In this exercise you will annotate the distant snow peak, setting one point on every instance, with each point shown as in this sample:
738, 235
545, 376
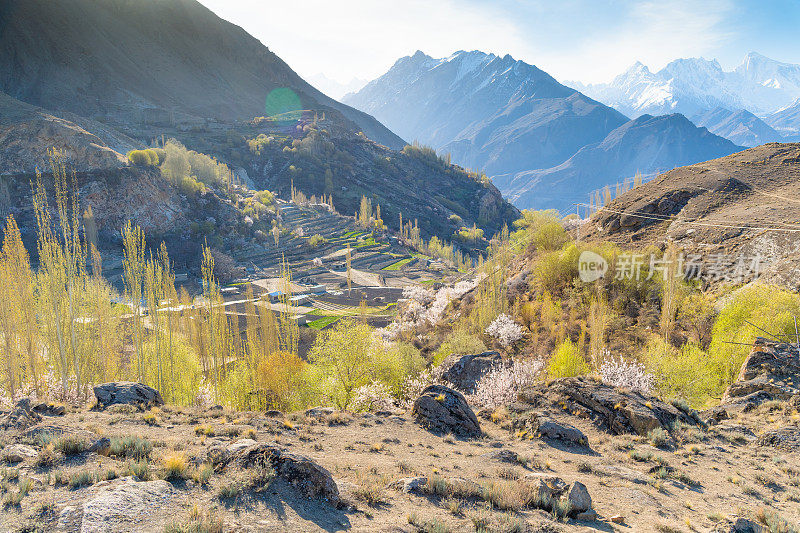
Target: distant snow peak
694, 85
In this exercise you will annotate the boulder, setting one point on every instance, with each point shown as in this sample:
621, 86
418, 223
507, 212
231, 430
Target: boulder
443, 410
127, 506
16, 453
743, 525
547, 486
21, 417
465, 371
578, 498
551, 429
770, 372
309, 478
127, 393
615, 410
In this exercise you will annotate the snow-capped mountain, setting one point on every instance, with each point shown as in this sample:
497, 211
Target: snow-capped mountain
333, 88
519, 125
490, 112
787, 120
692, 86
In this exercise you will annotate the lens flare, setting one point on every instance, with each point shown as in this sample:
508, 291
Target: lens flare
283, 106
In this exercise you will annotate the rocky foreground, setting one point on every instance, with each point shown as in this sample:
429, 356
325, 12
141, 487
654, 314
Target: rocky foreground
570, 454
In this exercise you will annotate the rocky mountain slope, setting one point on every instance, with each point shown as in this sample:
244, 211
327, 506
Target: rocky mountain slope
742, 127
493, 113
646, 145
150, 62
692, 86
27, 133
742, 206
570, 454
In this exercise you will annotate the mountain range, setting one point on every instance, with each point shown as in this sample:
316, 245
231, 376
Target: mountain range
694, 86
535, 137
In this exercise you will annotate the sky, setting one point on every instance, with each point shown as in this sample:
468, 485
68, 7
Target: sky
582, 40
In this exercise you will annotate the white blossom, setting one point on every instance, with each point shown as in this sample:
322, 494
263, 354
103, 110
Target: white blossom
502, 384
505, 330
630, 375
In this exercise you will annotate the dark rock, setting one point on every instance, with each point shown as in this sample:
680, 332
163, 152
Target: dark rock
465, 371
127, 393
551, 429
44, 408
715, 416
770, 372
309, 478
612, 409
743, 525
442, 410
100, 445
319, 412
273, 413
21, 417
787, 438
409, 484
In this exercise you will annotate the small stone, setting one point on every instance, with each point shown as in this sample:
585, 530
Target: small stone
504, 456
409, 484
618, 519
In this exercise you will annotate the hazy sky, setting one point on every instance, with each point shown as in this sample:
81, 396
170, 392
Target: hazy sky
585, 40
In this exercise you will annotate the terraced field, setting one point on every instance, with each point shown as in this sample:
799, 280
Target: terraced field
375, 261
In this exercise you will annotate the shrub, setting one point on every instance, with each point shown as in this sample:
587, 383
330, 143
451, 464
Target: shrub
131, 447
199, 521
658, 437
71, 444
348, 356
501, 385
768, 307
316, 240
505, 330
683, 372
630, 375
567, 362
278, 377
143, 158
81, 479
203, 473
174, 465
458, 342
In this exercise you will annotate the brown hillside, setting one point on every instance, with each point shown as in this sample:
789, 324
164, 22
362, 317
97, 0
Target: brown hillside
743, 204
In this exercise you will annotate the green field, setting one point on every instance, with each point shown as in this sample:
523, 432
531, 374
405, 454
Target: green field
397, 265
321, 323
